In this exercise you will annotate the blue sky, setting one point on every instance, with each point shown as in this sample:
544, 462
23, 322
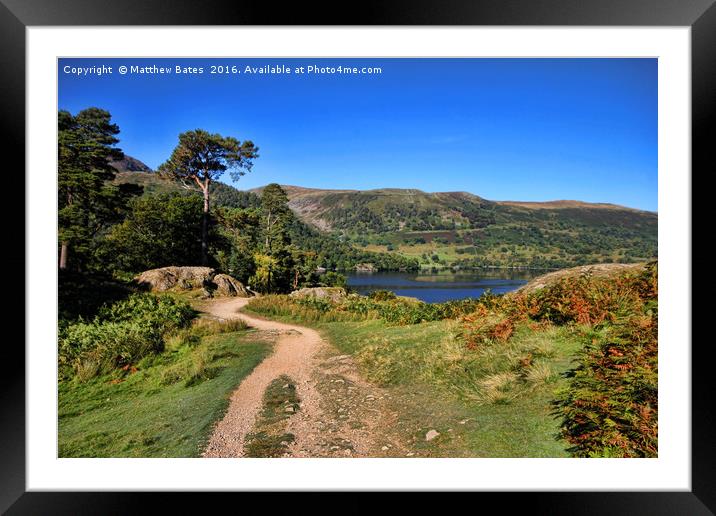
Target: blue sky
504, 129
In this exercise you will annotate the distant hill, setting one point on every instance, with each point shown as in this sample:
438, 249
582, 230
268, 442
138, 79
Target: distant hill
394, 209
461, 228
130, 164
457, 229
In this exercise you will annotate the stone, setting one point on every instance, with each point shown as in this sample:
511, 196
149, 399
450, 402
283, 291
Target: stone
333, 294
229, 286
181, 278
192, 278
365, 267
432, 434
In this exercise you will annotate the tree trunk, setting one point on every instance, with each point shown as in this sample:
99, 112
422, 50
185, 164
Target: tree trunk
205, 226
268, 232
64, 251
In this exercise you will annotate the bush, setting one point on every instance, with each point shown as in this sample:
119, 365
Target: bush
120, 335
610, 407
589, 300
332, 279
380, 305
160, 312
99, 347
382, 295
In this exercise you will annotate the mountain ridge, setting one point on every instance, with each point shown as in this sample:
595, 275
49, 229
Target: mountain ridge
457, 228
295, 190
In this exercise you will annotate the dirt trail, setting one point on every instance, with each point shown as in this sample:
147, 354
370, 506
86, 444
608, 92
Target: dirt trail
339, 415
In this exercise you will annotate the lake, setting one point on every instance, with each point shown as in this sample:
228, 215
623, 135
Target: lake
436, 287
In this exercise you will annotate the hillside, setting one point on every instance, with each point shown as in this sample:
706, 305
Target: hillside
457, 229
130, 164
332, 251
460, 228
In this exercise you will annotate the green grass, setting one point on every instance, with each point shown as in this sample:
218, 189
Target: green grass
264, 445
166, 408
454, 384
269, 438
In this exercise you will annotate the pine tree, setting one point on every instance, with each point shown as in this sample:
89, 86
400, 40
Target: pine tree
87, 201
202, 157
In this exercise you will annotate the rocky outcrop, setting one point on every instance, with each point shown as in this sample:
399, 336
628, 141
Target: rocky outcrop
600, 270
229, 286
191, 278
365, 267
329, 293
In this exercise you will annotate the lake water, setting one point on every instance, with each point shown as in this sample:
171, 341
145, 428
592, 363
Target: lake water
438, 287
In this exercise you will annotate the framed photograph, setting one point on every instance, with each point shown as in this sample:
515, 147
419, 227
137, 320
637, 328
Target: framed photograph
427, 251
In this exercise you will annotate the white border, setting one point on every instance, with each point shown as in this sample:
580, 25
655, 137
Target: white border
670, 471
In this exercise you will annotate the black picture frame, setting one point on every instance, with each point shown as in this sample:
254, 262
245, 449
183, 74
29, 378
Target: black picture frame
700, 15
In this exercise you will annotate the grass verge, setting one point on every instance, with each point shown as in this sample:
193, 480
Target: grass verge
168, 405
494, 402
269, 438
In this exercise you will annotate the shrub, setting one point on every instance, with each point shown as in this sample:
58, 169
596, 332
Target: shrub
121, 334
101, 346
332, 279
589, 300
160, 312
382, 295
610, 406
380, 305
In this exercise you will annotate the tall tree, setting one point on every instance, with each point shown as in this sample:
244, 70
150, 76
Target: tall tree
87, 201
202, 157
276, 217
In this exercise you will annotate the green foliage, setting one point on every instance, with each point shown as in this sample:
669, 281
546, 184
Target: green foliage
87, 200
382, 295
589, 300
201, 157
394, 310
159, 230
331, 279
610, 407
152, 311
229, 197
275, 216
239, 229
489, 234
237, 232
120, 335
273, 273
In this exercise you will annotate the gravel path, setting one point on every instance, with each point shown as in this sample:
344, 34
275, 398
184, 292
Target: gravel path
340, 415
